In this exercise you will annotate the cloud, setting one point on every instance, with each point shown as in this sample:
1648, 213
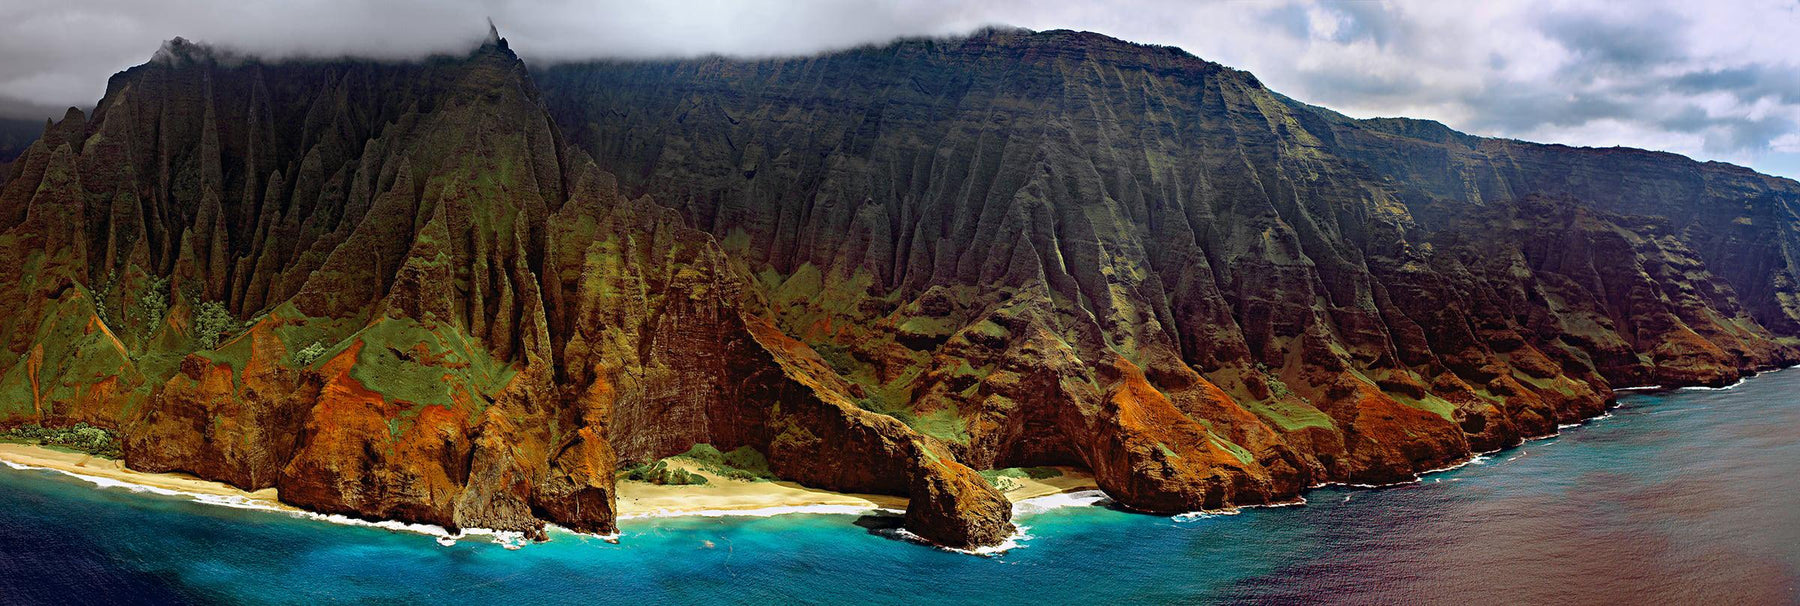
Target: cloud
1605, 41
1715, 81
1749, 81
1291, 19
1372, 21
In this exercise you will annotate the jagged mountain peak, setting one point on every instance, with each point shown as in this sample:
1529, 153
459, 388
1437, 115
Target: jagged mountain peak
180, 51
493, 35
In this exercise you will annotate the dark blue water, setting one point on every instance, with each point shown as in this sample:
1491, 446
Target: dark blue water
1678, 497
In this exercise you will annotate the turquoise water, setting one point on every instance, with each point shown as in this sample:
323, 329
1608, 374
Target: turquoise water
1678, 497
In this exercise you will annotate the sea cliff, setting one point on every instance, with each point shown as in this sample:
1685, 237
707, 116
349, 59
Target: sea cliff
467, 293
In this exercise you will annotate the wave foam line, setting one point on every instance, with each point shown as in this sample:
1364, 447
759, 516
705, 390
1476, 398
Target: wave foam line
1419, 478
1042, 504
1013, 541
505, 538
763, 512
1234, 510
1734, 385
554, 529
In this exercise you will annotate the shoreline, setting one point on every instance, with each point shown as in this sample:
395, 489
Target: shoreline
720, 497
112, 472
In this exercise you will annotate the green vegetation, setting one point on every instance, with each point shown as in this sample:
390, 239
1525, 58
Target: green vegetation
305, 357
1277, 389
895, 399
839, 358
661, 473
235, 354
299, 332
743, 463
989, 329
1008, 479
1166, 451
406, 361
1290, 416
943, 423
74, 360
101, 294
1429, 403
1559, 384
1237, 452
1288, 410
152, 305
213, 322
79, 437
927, 326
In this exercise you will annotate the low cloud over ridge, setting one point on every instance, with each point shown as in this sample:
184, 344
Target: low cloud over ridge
1713, 82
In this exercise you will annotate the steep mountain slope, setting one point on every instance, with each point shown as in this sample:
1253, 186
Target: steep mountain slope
1059, 247
419, 291
449, 320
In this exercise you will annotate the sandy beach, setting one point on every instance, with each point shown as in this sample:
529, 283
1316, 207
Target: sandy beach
636, 499
1071, 480
720, 494
113, 470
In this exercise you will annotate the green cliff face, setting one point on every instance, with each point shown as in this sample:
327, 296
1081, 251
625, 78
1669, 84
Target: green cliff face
461, 293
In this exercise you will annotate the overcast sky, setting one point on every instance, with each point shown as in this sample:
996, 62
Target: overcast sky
1712, 79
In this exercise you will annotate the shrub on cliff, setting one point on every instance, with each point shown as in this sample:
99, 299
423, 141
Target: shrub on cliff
152, 305
1277, 389
101, 294
743, 463
80, 436
662, 474
1007, 479
212, 322
310, 354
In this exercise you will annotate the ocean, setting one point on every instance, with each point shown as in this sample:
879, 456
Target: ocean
1688, 496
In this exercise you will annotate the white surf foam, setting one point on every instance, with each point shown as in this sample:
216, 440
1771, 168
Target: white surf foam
1705, 388
100, 481
1419, 478
1016, 540
1607, 415
763, 512
554, 529
1234, 510
507, 539
1202, 515
1081, 498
